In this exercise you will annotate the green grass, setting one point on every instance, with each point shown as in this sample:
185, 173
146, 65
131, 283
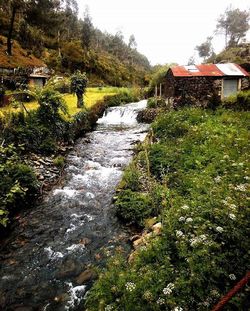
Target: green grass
197, 174
91, 97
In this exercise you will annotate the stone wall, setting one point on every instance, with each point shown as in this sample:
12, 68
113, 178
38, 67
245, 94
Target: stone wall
198, 91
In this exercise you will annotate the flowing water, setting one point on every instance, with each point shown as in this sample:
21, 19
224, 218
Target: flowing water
56, 241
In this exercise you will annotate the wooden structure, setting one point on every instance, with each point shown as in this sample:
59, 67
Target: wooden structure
198, 84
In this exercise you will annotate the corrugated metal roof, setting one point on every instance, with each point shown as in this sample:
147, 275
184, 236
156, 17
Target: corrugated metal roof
209, 70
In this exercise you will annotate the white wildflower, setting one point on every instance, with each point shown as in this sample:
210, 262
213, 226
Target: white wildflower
241, 187
232, 276
148, 295
109, 308
226, 156
219, 229
185, 207
194, 241
217, 179
206, 303
182, 218
246, 177
232, 207
178, 309
130, 286
232, 216
179, 233
160, 301
189, 219
215, 293
168, 290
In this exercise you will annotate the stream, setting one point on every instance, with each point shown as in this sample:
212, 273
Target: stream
56, 241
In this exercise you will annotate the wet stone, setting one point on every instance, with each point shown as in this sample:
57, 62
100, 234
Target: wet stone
85, 276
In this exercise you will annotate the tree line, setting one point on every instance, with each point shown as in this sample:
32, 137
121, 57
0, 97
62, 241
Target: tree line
52, 30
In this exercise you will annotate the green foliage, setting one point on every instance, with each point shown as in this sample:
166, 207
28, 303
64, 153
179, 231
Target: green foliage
18, 184
200, 172
51, 103
240, 101
156, 102
133, 207
59, 161
78, 84
234, 24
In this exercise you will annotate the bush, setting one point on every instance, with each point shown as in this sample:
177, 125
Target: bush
156, 102
133, 207
59, 161
18, 184
240, 101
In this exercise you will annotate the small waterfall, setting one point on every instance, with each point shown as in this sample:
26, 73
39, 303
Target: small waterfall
123, 115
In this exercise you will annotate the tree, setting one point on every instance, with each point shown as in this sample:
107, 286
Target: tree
15, 5
78, 84
87, 30
205, 49
132, 43
234, 24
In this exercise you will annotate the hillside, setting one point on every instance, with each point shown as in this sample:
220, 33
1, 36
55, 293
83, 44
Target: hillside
67, 43
19, 58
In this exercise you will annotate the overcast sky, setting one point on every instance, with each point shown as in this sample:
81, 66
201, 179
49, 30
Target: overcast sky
165, 30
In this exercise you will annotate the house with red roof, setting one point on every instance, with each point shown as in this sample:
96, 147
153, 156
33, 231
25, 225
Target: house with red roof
199, 84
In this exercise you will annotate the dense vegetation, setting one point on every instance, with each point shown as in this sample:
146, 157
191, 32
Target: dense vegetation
66, 43
192, 173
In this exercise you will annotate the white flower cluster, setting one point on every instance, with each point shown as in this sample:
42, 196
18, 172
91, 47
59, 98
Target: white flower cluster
130, 286
198, 240
185, 207
160, 301
178, 309
232, 216
217, 179
109, 308
168, 290
232, 277
241, 187
189, 219
219, 229
179, 233
182, 219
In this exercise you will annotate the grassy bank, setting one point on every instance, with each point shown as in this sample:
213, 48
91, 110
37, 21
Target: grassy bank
91, 97
192, 174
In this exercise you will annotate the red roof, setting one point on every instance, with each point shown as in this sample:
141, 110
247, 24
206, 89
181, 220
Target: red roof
209, 70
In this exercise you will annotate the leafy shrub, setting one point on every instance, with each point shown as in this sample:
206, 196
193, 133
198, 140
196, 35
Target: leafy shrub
59, 161
131, 178
240, 101
133, 207
18, 184
156, 102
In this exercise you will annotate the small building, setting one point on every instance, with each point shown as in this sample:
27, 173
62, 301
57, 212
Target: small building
38, 77
200, 83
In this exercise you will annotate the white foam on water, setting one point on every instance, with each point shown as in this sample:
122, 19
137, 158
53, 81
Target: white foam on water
71, 228
75, 247
123, 114
91, 165
52, 254
76, 294
65, 191
90, 195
